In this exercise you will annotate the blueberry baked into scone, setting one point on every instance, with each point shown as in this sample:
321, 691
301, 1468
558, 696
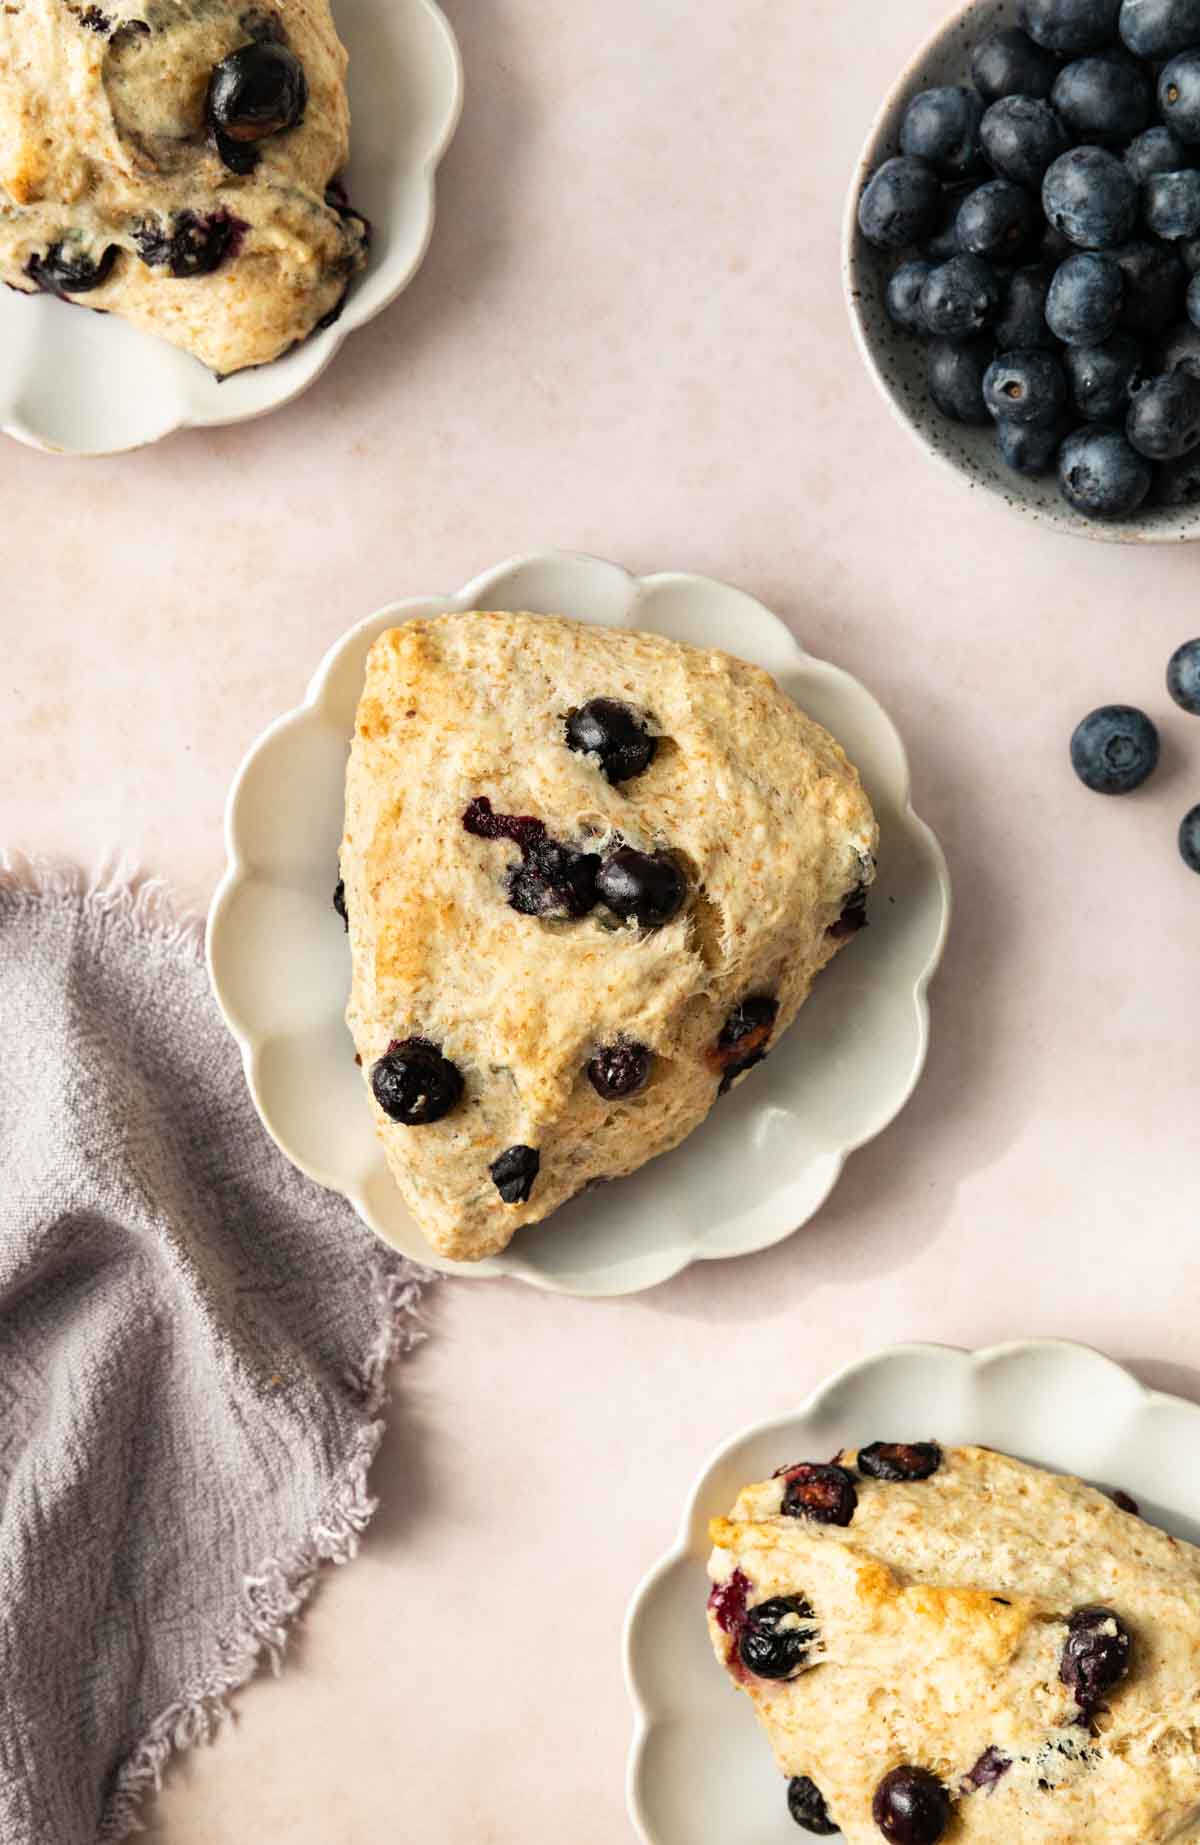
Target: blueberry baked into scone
589, 877
955, 1644
176, 162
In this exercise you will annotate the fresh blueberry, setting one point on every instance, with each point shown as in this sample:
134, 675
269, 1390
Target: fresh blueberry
911, 1807
998, 220
1183, 677
1008, 63
1189, 839
1115, 749
1163, 422
942, 127
1025, 387
1021, 322
1096, 1656
900, 204
942, 244
258, 90
806, 1804
1193, 301
1156, 151
414, 1084
1102, 378
1179, 96
956, 371
339, 902
1028, 448
647, 888
1177, 483
1181, 350
1091, 197
620, 1069
1189, 253
514, 1172
1021, 137
959, 298
776, 1637
1171, 202
553, 880
1055, 246
607, 728
822, 1494
68, 269
1158, 29
744, 1037
904, 294
1101, 475
900, 1460
1154, 284
1084, 303
1070, 25
1105, 100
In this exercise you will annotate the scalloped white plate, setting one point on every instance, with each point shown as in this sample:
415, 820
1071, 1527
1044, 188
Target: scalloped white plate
700, 1770
88, 384
768, 1157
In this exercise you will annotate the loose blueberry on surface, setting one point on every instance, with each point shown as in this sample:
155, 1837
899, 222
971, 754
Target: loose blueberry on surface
1105, 100
414, 1084
1189, 839
942, 127
620, 1069
822, 1493
991, 1768
1114, 749
68, 269
644, 887
959, 298
1164, 417
1102, 378
514, 1172
1028, 448
1158, 29
955, 373
1008, 63
903, 296
1021, 136
1025, 387
900, 1460
1155, 151
1091, 197
553, 881
1101, 474
339, 902
744, 1037
1183, 677
900, 203
1021, 322
1084, 302
997, 220
1171, 202
911, 1807
806, 1804
257, 91
1095, 1657
1154, 283
607, 728
1179, 96
776, 1637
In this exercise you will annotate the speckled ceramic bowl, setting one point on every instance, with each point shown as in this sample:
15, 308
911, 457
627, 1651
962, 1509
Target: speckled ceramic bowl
897, 361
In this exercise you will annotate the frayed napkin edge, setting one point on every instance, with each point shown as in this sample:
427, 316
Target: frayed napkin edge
118, 887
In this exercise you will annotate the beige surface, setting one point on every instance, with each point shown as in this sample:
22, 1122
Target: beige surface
628, 338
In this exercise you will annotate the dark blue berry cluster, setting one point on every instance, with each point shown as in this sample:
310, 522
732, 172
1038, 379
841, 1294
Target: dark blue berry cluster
1116, 748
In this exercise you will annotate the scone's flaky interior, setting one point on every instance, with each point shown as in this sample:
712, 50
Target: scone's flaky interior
109, 169
939, 1617
758, 807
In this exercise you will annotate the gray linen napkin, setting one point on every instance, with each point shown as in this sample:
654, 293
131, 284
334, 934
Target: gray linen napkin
194, 1348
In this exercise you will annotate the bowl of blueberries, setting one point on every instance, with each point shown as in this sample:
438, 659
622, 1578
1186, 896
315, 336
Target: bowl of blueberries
1022, 259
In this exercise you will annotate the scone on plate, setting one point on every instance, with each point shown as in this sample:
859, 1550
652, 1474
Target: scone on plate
954, 1644
589, 878
176, 162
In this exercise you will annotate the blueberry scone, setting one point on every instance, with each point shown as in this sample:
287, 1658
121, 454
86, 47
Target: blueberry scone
589, 877
959, 1645
176, 162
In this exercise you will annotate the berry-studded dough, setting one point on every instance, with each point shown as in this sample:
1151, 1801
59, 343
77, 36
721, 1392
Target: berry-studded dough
959, 1645
176, 162
589, 878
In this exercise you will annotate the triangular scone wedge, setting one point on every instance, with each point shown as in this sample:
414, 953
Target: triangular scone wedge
1013, 1635
588, 1041
118, 191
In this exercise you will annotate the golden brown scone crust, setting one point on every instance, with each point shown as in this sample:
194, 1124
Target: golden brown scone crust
102, 133
760, 804
942, 1613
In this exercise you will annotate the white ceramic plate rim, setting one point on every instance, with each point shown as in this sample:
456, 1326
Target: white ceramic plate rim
323, 346
479, 594
1020, 1358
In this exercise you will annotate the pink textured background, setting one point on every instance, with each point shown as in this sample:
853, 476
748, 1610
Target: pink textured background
629, 338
